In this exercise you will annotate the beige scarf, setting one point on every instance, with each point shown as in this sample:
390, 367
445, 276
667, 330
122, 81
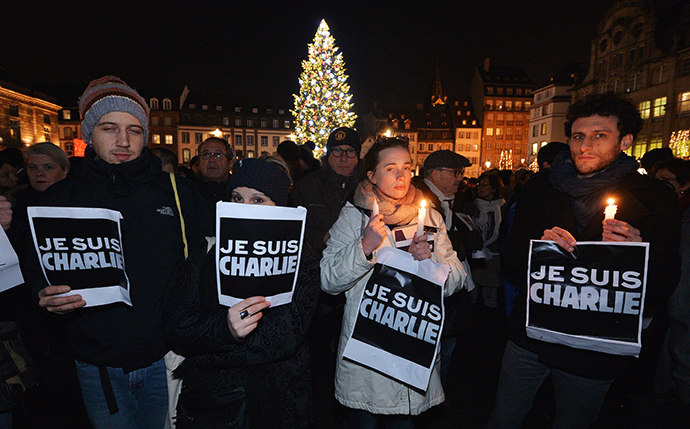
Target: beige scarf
395, 212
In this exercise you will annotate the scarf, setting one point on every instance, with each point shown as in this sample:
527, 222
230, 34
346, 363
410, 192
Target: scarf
395, 212
587, 193
489, 219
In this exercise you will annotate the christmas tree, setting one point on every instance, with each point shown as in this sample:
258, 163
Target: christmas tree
323, 103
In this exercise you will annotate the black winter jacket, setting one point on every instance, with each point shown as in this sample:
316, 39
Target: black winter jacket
118, 335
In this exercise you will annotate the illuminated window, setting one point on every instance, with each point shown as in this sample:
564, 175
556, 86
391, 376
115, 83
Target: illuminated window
489, 131
543, 129
156, 139
655, 142
644, 108
186, 155
66, 115
659, 107
168, 139
684, 103
639, 149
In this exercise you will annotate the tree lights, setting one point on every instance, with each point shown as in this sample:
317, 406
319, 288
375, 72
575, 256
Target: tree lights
323, 103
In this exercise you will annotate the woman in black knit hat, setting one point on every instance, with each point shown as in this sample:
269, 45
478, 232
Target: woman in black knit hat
246, 365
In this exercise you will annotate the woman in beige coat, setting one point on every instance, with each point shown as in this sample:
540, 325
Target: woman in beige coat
347, 264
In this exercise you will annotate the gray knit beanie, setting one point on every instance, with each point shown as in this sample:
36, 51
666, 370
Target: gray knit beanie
110, 94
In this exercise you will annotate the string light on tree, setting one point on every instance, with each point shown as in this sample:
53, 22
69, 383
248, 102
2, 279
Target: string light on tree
680, 143
323, 103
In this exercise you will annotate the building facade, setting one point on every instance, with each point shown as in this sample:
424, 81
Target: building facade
643, 50
69, 125
26, 116
501, 98
468, 135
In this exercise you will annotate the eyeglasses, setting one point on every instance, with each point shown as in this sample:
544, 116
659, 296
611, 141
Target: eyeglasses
338, 152
455, 172
209, 155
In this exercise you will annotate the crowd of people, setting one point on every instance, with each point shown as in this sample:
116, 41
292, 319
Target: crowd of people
176, 357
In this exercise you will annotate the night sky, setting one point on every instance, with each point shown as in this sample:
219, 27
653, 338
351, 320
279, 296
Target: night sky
253, 50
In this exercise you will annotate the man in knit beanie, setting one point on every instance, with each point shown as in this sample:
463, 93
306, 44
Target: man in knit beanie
119, 348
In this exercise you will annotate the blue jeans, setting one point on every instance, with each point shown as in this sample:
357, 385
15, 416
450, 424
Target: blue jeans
361, 419
578, 399
141, 396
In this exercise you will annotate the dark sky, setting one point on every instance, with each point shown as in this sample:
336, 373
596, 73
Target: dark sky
253, 49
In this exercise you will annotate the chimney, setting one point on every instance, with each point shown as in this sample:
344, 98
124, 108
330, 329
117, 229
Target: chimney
486, 65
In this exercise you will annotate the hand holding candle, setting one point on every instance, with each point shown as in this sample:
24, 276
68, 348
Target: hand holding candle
421, 217
610, 211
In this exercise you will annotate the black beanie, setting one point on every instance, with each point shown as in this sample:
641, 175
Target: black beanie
266, 177
344, 136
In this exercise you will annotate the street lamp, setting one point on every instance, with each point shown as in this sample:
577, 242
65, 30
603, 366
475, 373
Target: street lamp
488, 164
217, 133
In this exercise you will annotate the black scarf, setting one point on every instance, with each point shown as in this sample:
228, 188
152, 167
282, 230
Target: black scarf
587, 193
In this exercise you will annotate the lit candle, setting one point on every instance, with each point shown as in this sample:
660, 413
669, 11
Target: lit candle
610, 211
421, 216
374, 208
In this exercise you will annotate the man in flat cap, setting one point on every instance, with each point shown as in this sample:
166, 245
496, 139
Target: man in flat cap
444, 188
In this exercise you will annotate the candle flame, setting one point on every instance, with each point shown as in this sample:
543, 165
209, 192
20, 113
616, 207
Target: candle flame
423, 203
611, 201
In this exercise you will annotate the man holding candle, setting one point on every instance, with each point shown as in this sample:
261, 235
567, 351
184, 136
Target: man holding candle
567, 205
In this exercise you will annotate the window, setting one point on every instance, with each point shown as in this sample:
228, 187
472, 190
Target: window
464, 121
509, 91
192, 106
614, 85
509, 105
168, 139
527, 104
255, 110
264, 141
219, 108
46, 134
226, 121
204, 107
634, 82
156, 139
198, 137
535, 131
518, 134
167, 105
461, 135
238, 122
499, 104
639, 149
518, 91
250, 140
15, 130
543, 129
535, 148
488, 145
644, 108
276, 141
287, 124
185, 137
264, 123
14, 110
421, 147
66, 115
238, 109
186, 155
238, 140
499, 133
684, 103
153, 103
489, 117
659, 107
431, 147
46, 118
167, 121
250, 122
489, 89
685, 66
499, 90
154, 121
655, 142
489, 105
489, 131
475, 135
68, 132
659, 75
509, 133
276, 123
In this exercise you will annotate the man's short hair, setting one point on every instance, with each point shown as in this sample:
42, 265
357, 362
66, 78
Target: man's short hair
229, 151
548, 153
606, 104
166, 155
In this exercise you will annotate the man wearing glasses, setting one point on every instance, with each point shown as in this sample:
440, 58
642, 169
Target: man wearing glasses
443, 187
324, 193
215, 161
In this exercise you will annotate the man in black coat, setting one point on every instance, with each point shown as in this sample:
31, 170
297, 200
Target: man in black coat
119, 349
566, 205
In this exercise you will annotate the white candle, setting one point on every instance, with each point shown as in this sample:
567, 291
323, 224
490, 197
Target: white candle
374, 208
421, 217
610, 211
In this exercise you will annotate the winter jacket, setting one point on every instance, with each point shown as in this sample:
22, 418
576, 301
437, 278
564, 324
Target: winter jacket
119, 335
345, 268
271, 363
647, 204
